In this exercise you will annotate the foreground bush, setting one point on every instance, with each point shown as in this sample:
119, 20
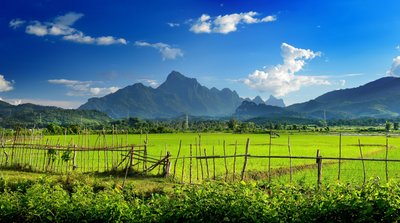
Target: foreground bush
48, 200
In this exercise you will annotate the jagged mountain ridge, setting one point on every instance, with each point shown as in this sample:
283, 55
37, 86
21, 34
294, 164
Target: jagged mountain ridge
176, 96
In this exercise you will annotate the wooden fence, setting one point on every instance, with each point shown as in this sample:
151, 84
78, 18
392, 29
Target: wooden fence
206, 164
63, 159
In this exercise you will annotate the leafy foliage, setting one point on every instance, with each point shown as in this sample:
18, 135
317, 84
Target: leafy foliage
73, 200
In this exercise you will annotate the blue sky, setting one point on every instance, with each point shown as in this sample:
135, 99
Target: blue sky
64, 52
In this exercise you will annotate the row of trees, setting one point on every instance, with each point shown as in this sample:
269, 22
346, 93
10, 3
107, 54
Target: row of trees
137, 126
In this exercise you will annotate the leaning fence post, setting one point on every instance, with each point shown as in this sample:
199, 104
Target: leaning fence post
183, 170
234, 162
226, 166
319, 163
167, 165
362, 160
246, 157
208, 170
177, 157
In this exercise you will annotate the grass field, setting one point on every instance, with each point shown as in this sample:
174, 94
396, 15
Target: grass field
300, 144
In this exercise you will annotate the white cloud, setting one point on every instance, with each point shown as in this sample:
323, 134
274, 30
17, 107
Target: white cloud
5, 85
83, 88
167, 51
203, 25
79, 38
395, 69
109, 40
45, 102
342, 82
37, 28
62, 26
152, 83
68, 19
16, 23
227, 23
172, 25
281, 79
103, 91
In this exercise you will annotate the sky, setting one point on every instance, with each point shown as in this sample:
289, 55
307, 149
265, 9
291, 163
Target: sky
63, 52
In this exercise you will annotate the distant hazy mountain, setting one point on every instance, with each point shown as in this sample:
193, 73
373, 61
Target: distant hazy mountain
258, 100
377, 99
31, 114
176, 96
275, 102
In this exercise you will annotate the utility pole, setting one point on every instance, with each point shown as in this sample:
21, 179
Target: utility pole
187, 122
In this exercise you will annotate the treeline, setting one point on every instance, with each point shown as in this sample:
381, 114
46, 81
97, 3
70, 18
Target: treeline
139, 126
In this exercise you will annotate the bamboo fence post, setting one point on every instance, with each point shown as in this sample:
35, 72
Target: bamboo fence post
44, 156
183, 170
30, 148
246, 157
127, 168
112, 147
74, 166
386, 157
290, 160
225, 163
177, 157
190, 164
197, 163
214, 169
131, 158
340, 155
269, 156
105, 150
201, 161
145, 154
362, 161
159, 166
234, 162
319, 165
208, 170
167, 165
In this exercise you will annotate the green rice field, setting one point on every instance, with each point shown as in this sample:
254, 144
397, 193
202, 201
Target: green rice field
229, 169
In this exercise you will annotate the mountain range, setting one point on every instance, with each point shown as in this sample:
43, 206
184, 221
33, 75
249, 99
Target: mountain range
376, 99
37, 115
178, 95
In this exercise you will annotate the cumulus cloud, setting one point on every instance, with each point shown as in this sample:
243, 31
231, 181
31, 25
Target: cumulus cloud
167, 51
172, 25
395, 69
281, 79
62, 26
152, 83
83, 88
16, 23
227, 23
5, 85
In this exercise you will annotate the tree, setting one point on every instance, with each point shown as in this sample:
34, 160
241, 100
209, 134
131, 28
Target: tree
232, 124
388, 126
396, 126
